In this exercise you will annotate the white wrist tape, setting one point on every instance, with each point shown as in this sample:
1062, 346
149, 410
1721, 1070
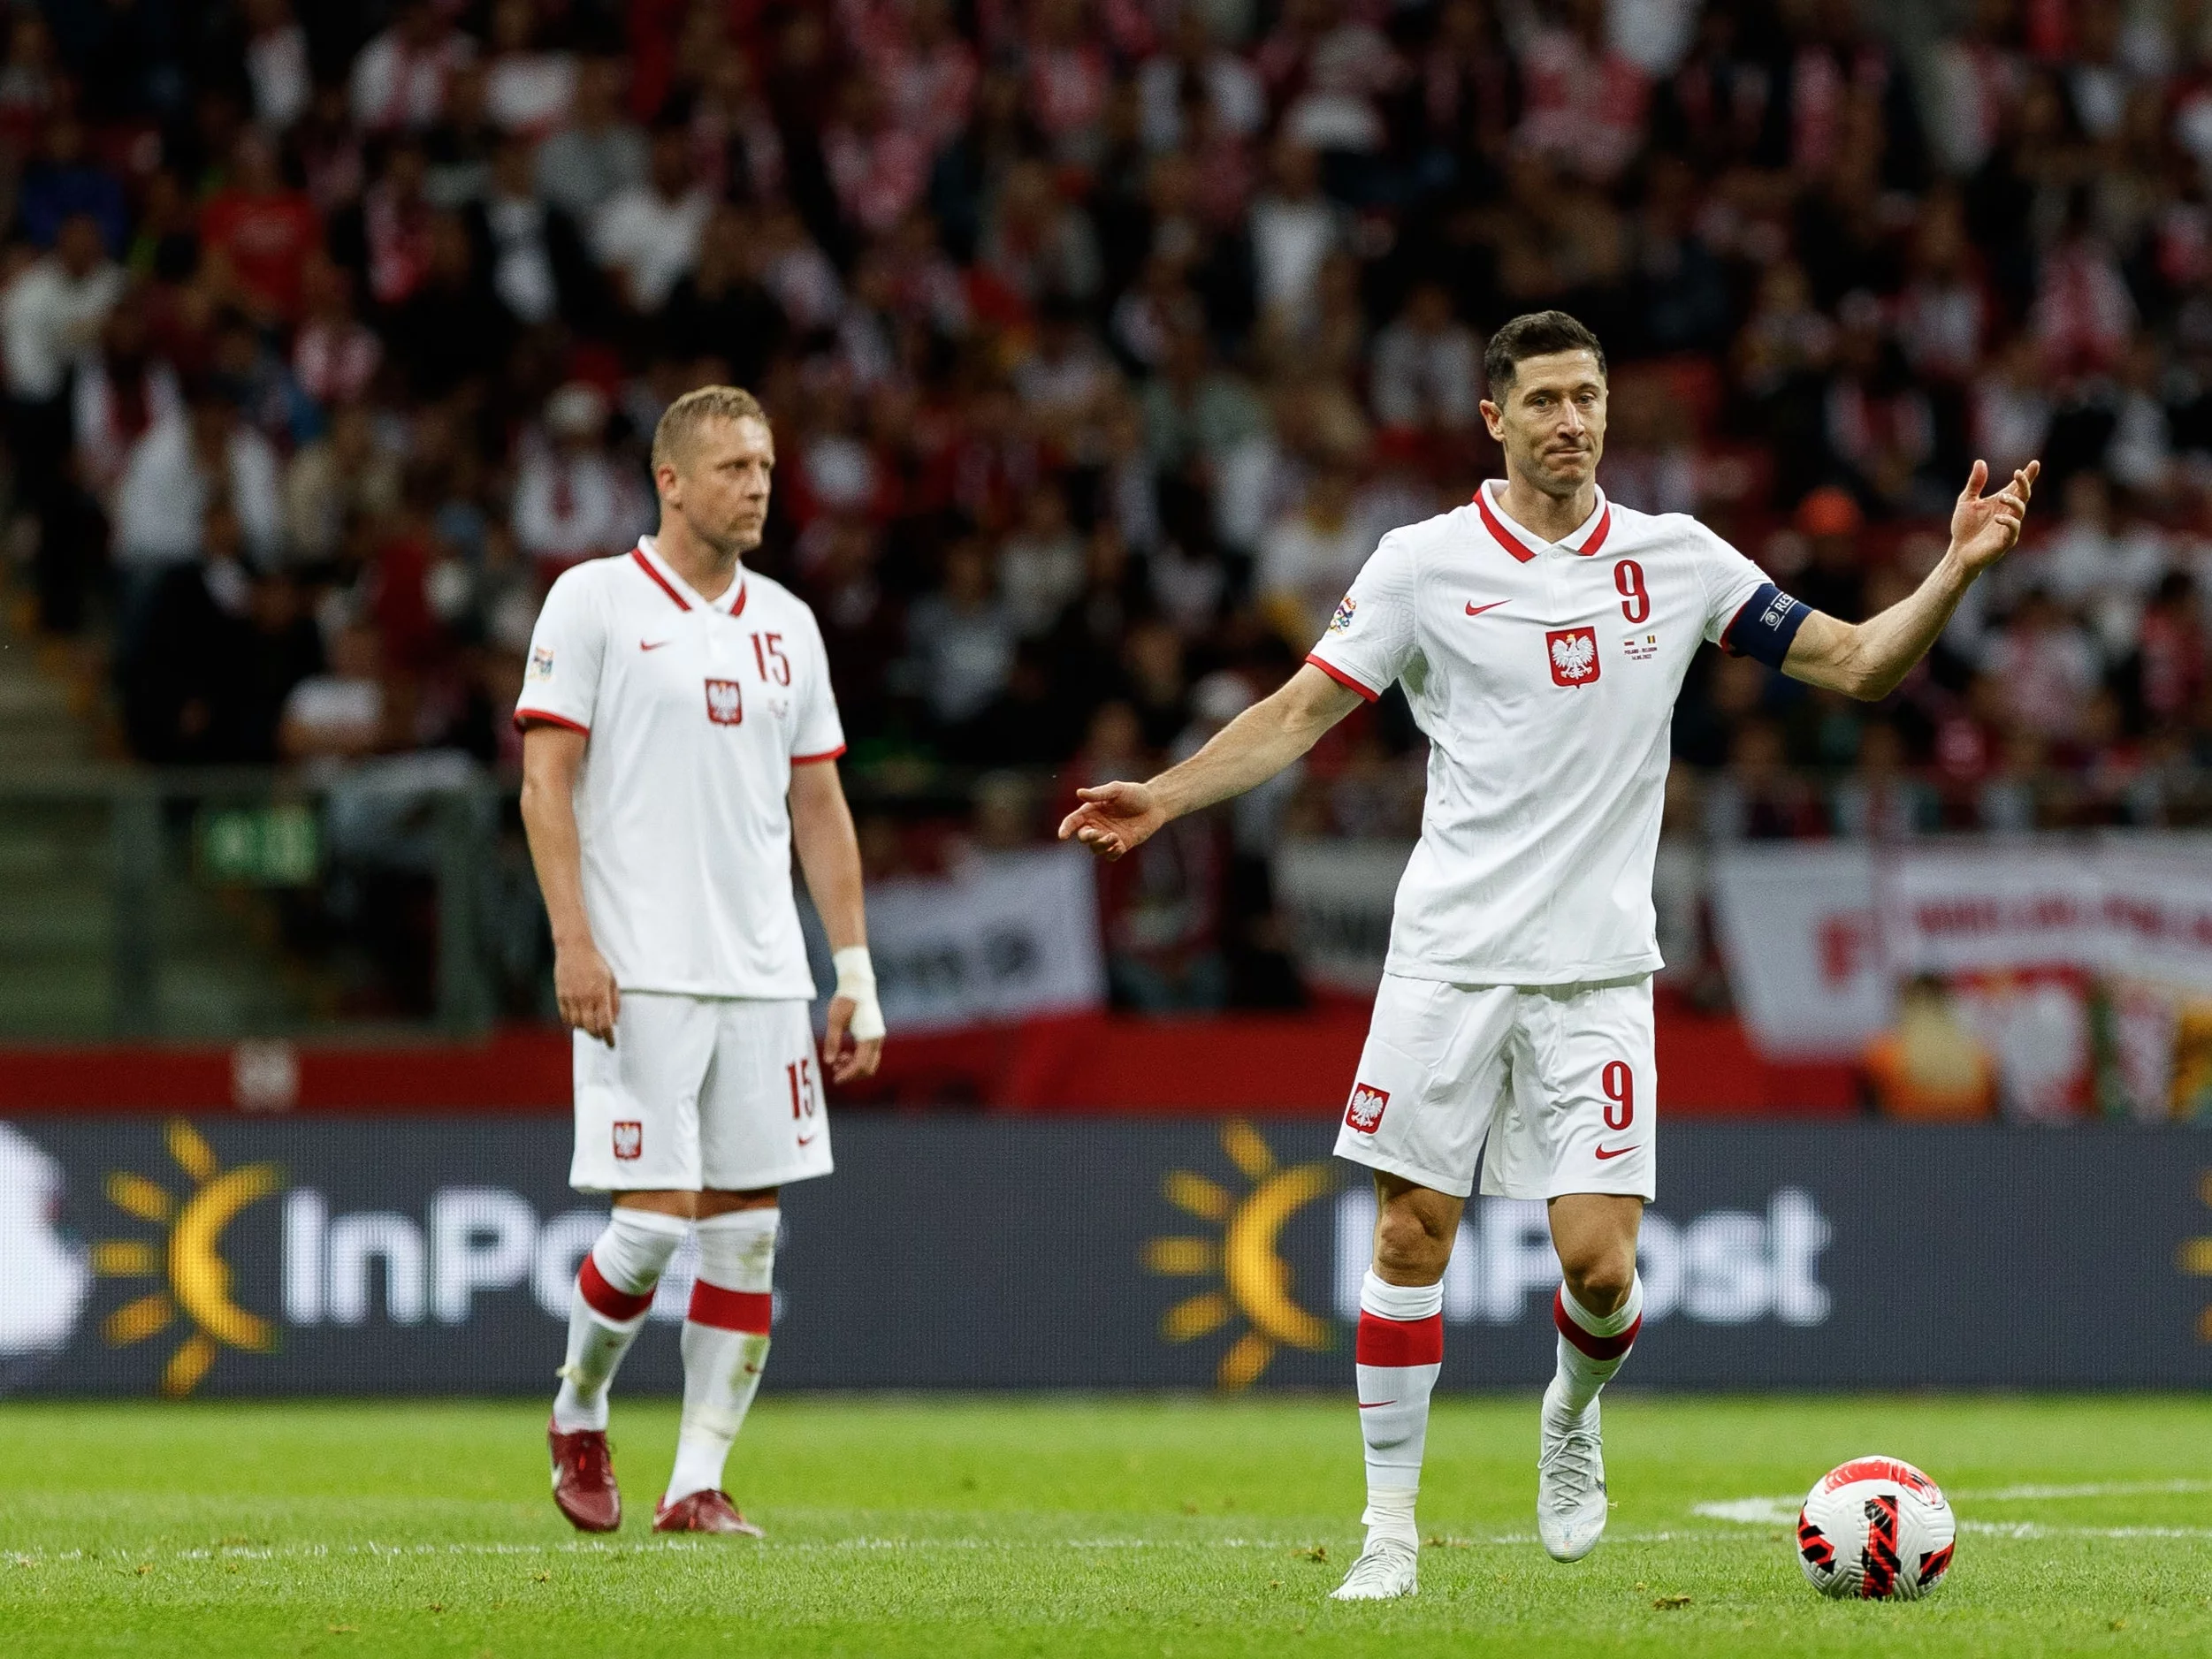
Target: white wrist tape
856, 979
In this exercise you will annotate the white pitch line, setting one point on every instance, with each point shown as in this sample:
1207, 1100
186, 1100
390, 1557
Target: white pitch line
1774, 1511
2096, 1489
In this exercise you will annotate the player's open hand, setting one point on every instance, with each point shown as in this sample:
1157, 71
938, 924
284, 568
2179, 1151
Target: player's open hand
1984, 528
584, 986
1115, 818
844, 1059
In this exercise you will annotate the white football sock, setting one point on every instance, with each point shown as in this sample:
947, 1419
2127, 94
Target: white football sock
613, 1291
1397, 1354
1593, 1347
725, 1343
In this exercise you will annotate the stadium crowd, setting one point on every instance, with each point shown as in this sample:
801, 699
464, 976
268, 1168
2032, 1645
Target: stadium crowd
1102, 338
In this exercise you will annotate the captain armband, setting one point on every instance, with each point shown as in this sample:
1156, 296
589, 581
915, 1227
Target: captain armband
1764, 626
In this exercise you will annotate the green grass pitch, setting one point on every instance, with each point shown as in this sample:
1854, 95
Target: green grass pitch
1171, 1526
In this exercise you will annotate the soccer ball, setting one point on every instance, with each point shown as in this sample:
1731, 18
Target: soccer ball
1877, 1528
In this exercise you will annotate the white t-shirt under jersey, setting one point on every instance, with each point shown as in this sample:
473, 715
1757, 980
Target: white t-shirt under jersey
696, 712
1544, 676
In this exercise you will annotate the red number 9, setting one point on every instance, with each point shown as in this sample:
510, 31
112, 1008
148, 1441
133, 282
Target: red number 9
1636, 602
1620, 1086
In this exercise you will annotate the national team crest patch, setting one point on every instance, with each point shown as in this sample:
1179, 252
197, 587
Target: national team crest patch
725, 703
1347, 607
540, 664
1365, 1113
1573, 652
630, 1141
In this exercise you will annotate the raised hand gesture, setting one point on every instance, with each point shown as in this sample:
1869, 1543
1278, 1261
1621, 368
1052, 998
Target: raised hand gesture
1985, 528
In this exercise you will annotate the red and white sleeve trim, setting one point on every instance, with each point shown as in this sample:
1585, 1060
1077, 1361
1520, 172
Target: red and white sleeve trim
524, 717
813, 760
1342, 678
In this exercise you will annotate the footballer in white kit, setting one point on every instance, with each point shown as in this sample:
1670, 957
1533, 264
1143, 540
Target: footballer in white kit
1540, 635
680, 736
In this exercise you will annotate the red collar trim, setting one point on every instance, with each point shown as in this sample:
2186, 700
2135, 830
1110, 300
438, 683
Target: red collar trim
660, 580
1506, 539
682, 603
1597, 537
1520, 550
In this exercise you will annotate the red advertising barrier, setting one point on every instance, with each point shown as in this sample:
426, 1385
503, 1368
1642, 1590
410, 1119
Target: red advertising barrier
1281, 1063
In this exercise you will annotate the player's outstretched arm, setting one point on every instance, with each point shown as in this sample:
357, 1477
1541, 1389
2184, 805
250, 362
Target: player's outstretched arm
1870, 659
829, 858
584, 985
1115, 818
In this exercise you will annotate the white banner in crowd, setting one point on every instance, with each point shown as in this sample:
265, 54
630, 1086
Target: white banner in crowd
1007, 935
1337, 897
1816, 936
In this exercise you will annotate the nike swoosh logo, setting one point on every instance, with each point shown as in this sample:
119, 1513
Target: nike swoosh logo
1369, 1405
809, 1140
654, 644
1615, 1152
1474, 609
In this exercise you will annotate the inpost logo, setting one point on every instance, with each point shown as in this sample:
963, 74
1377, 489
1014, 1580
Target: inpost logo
1254, 1279
189, 1256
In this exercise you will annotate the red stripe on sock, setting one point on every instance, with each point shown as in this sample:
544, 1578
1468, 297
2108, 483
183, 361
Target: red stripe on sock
605, 1300
1399, 1342
747, 1311
1596, 1347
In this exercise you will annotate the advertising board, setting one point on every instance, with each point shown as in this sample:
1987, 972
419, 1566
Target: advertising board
418, 1255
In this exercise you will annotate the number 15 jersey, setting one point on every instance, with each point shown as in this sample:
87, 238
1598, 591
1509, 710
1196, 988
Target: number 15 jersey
1544, 676
696, 711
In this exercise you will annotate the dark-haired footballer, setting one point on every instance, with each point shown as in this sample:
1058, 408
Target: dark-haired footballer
1541, 634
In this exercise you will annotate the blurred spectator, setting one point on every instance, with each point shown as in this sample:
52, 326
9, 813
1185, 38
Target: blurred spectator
51, 314
1309, 558
598, 156
339, 714
1931, 1067
2046, 667
960, 640
400, 78
530, 89
276, 64
173, 471
1293, 228
572, 500
647, 236
258, 234
1428, 372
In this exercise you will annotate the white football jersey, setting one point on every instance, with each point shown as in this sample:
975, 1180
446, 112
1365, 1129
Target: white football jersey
1545, 677
696, 712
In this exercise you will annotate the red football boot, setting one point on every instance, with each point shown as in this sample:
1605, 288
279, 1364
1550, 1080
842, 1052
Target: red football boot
584, 1479
703, 1513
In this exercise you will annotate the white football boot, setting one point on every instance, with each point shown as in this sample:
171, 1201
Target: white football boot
1387, 1569
1570, 1481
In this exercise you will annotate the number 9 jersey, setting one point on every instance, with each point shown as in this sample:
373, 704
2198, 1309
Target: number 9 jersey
1516, 1005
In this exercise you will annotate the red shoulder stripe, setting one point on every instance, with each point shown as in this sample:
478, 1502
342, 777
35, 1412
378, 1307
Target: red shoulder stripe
524, 717
1342, 678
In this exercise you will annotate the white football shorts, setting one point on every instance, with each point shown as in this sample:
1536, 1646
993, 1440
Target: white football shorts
696, 1092
1553, 1087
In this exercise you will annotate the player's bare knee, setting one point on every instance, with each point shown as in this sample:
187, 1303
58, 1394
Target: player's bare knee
1413, 1230
1599, 1277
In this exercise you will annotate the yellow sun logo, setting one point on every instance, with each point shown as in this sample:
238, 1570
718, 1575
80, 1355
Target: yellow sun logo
2194, 1257
199, 1278
1256, 1279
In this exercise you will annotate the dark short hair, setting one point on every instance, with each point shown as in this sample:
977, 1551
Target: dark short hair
1535, 334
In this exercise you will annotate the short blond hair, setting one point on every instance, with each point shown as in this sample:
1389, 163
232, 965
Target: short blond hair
681, 422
